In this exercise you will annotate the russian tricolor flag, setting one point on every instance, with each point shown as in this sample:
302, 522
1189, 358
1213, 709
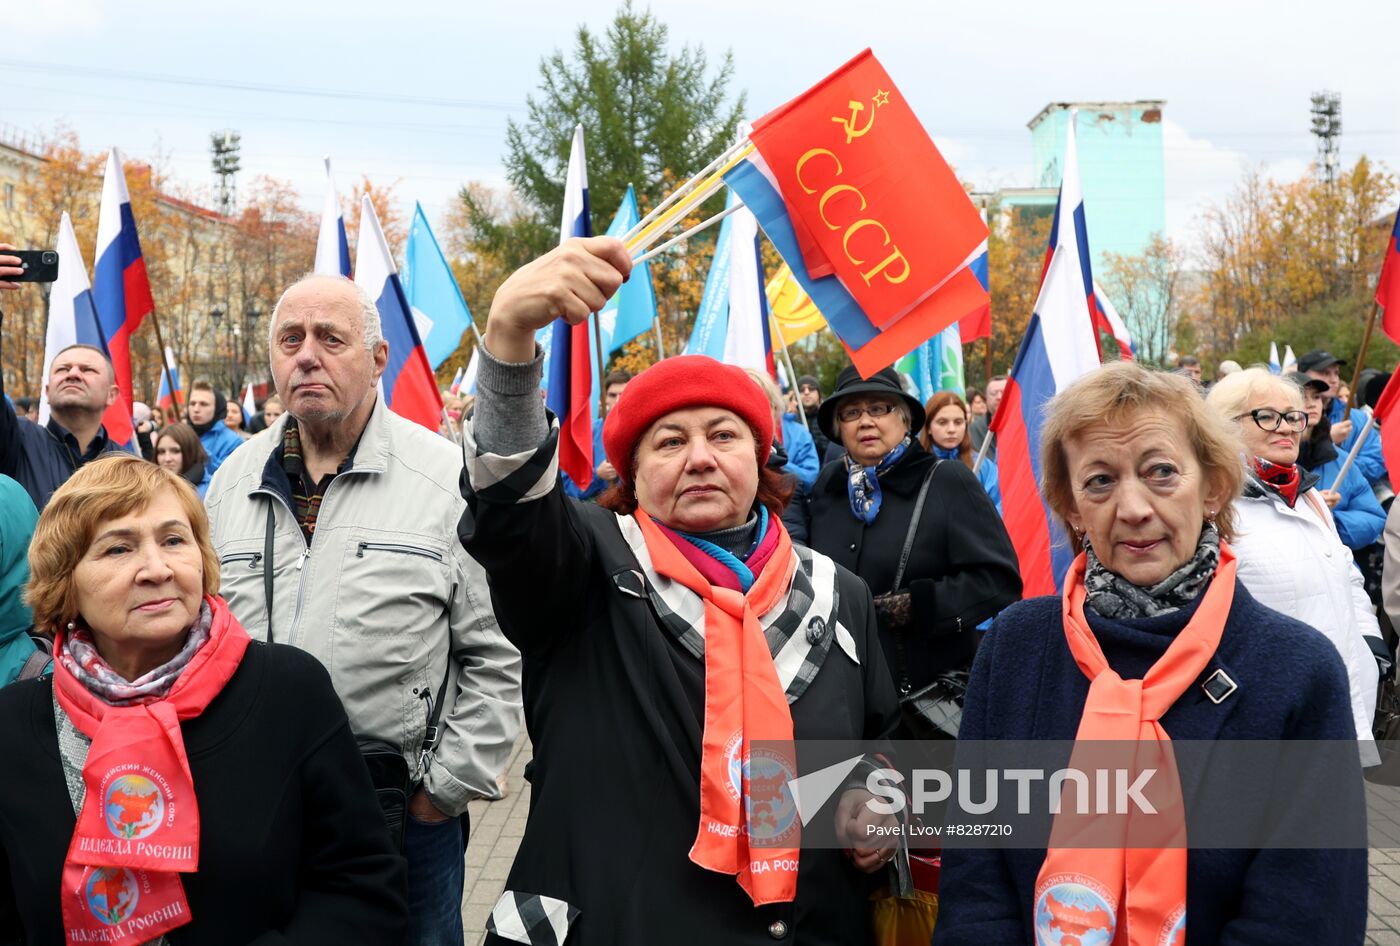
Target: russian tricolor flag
121, 291
568, 375
979, 323
332, 247
166, 399
1068, 232
72, 315
410, 388
1388, 289
1059, 346
1110, 321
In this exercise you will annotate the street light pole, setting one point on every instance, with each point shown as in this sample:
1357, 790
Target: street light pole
217, 317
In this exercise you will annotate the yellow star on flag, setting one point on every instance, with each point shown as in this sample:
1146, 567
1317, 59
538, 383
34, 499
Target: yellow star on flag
881, 98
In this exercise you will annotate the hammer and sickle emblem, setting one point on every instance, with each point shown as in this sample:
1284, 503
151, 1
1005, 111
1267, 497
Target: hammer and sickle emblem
849, 124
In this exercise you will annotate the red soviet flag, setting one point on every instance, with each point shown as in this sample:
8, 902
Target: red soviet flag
871, 199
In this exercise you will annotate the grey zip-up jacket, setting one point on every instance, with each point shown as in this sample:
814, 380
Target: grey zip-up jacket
384, 596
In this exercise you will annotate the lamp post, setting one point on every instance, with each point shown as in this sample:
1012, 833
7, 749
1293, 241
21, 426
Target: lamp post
217, 316
250, 320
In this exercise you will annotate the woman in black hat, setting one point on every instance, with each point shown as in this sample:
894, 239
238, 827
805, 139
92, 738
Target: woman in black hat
864, 512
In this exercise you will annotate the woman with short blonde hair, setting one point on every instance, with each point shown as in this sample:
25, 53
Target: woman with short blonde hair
1153, 640
1292, 558
167, 752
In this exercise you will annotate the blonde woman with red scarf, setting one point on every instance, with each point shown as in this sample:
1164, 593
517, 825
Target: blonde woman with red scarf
1153, 640
664, 631
1292, 558
173, 782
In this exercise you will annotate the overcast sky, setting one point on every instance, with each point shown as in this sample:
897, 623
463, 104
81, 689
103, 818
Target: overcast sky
158, 75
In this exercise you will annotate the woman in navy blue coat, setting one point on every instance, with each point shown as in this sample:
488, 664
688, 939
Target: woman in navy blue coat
1143, 476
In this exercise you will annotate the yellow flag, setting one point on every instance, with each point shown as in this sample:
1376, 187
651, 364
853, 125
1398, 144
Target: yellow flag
794, 312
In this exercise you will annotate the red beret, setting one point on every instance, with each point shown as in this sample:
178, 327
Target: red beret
676, 384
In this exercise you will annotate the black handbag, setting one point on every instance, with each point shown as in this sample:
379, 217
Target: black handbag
388, 769
933, 711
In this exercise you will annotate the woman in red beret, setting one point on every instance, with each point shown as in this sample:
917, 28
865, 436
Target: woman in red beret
664, 631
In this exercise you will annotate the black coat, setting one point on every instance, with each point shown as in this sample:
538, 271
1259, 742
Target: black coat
962, 568
615, 710
293, 847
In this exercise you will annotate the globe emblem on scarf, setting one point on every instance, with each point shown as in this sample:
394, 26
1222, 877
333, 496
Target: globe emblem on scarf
134, 806
1071, 914
111, 894
1174, 929
772, 811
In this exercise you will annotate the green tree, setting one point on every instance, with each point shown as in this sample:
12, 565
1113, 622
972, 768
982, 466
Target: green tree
649, 116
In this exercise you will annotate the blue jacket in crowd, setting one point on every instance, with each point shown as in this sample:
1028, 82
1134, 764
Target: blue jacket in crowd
986, 474
1359, 516
1025, 685
219, 442
801, 450
17, 519
1370, 461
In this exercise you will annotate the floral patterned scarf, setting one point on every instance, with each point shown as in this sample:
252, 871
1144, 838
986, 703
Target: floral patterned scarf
1113, 596
863, 482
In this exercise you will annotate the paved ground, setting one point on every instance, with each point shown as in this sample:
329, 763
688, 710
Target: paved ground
498, 826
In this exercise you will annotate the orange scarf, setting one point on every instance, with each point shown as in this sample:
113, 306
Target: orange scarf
1135, 891
744, 702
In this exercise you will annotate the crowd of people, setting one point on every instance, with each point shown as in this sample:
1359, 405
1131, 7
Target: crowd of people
289, 649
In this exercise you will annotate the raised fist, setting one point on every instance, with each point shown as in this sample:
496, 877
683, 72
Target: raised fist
571, 281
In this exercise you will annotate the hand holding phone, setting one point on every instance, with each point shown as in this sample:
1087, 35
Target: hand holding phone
9, 267
36, 265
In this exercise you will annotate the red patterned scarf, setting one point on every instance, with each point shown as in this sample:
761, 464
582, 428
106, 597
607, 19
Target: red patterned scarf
1283, 480
139, 824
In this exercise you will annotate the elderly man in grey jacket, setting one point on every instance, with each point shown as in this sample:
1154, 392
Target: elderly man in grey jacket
340, 520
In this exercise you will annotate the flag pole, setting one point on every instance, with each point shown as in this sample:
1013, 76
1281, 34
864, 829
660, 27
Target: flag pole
1361, 356
598, 347
660, 347
1355, 449
982, 451
787, 360
703, 225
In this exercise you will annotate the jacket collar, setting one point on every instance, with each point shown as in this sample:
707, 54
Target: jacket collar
101, 443
1220, 671
369, 455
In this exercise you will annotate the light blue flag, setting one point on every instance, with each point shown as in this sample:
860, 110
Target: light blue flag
712, 318
437, 304
1273, 358
949, 367
632, 310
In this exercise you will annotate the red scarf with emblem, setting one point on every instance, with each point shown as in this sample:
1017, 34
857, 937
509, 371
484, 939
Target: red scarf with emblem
138, 829
744, 703
1124, 875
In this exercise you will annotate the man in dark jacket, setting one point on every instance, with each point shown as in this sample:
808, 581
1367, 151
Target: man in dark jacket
809, 395
80, 386
961, 569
